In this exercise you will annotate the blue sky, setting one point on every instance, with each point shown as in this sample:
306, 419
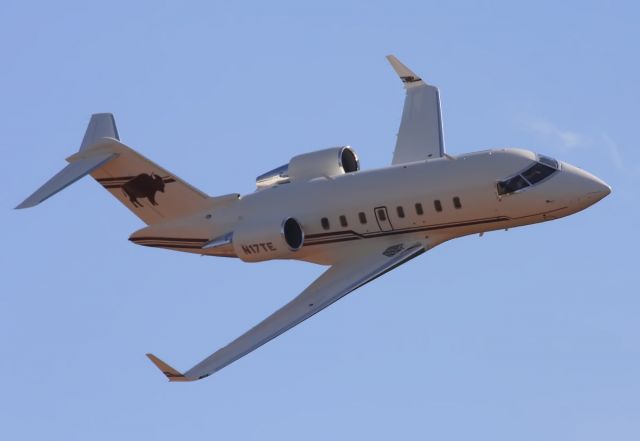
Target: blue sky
528, 334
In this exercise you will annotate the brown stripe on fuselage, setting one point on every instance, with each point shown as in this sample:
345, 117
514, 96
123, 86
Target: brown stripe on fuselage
332, 236
169, 242
325, 237
163, 245
183, 239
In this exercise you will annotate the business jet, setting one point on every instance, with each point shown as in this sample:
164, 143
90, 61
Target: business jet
321, 208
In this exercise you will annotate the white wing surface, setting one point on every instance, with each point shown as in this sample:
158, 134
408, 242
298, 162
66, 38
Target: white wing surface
333, 284
420, 134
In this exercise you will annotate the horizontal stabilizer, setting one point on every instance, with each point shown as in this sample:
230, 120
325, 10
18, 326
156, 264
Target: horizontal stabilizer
67, 176
168, 371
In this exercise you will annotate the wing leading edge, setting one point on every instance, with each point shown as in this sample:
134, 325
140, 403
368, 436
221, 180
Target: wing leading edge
420, 135
332, 285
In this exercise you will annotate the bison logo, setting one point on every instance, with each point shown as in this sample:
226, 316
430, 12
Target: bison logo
135, 187
143, 186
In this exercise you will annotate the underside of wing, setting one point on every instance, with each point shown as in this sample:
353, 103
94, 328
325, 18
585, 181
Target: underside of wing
333, 284
420, 135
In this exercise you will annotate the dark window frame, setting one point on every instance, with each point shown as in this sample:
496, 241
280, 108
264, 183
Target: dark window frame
400, 211
343, 221
419, 209
456, 203
537, 173
325, 223
363, 217
511, 185
437, 205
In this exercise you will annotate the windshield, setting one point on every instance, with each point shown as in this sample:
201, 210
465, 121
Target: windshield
534, 174
537, 173
512, 185
548, 161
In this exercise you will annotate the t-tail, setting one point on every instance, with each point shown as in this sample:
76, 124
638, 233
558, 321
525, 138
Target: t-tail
152, 193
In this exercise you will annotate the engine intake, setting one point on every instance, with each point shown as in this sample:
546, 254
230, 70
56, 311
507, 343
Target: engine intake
328, 162
293, 234
255, 242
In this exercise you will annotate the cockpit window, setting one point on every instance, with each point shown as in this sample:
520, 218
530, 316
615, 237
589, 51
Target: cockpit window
537, 173
512, 185
548, 161
540, 170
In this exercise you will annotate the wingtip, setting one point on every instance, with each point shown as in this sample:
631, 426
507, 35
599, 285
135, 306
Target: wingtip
27, 203
171, 373
22, 205
407, 76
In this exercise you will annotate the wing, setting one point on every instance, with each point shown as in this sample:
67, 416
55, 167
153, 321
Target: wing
420, 134
333, 284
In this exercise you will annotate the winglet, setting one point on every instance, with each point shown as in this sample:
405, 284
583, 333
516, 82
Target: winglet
408, 77
171, 373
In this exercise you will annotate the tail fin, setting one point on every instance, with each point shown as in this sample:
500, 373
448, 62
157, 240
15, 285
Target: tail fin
149, 191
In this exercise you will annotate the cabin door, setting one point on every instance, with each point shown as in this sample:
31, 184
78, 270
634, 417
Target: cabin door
383, 219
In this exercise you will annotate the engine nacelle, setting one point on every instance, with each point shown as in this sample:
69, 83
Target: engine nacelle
277, 239
329, 162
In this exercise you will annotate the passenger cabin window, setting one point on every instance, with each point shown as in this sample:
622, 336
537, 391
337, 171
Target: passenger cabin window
382, 215
437, 205
325, 223
343, 220
419, 210
400, 211
362, 217
456, 202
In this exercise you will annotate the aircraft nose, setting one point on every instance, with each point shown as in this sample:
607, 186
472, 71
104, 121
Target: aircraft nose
595, 187
603, 188
589, 188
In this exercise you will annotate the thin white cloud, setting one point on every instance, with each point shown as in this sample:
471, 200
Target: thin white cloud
614, 151
600, 144
563, 138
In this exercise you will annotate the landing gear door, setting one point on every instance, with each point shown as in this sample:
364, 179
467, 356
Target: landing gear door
383, 219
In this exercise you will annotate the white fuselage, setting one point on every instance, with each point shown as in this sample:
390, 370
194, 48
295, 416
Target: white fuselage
428, 201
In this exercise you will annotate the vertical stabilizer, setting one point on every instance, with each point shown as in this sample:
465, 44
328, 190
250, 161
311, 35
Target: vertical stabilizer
151, 192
